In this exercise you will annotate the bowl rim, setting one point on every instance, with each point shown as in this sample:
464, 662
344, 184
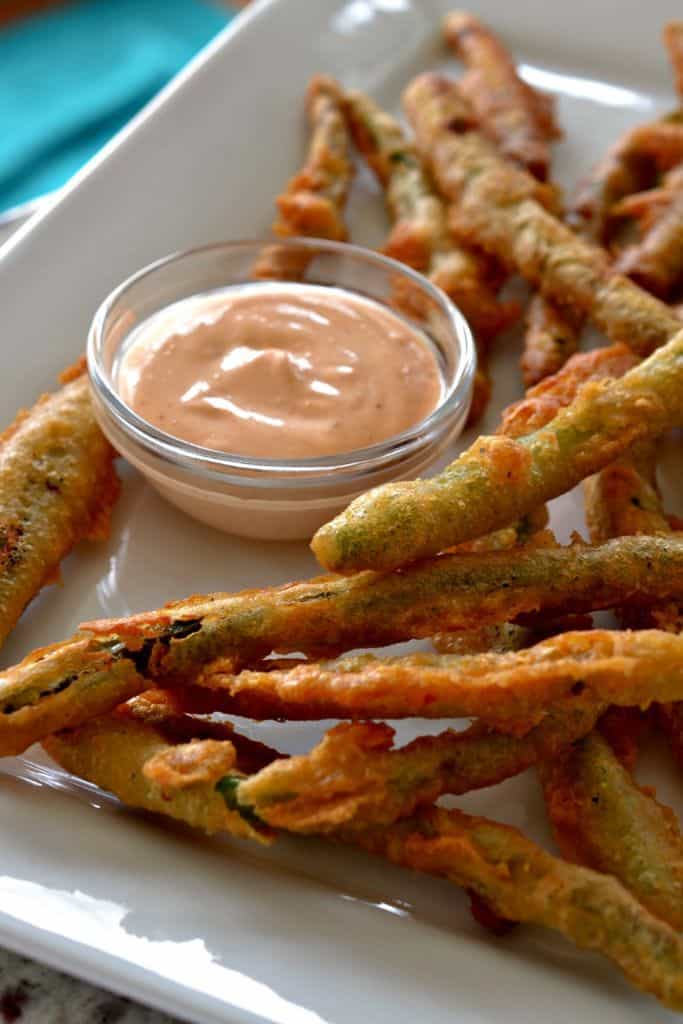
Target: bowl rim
189, 456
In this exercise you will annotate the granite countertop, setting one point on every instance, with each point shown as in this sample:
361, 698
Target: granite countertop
33, 994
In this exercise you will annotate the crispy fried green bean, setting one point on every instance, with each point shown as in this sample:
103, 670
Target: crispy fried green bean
521, 882
603, 820
496, 208
127, 754
522, 122
165, 763
57, 487
111, 660
622, 500
656, 261
354, 778
551, 336
114, 659
442, 120
511, 691
542, 403
515, 115
629, 166
62, 686
314, 200
369, 609
420, 236
499, 479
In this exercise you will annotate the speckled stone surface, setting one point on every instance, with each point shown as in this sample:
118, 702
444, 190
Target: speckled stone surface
32, 994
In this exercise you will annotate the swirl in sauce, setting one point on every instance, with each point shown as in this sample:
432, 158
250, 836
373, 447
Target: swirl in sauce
280, 371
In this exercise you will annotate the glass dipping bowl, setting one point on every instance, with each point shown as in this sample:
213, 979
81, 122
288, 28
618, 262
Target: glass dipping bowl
275, 499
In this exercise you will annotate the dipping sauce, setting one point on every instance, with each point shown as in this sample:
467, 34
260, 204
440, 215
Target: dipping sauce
279, 371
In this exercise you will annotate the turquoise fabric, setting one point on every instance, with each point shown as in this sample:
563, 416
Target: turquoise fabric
71, 77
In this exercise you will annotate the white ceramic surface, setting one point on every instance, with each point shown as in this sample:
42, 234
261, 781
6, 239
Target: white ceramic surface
304, 933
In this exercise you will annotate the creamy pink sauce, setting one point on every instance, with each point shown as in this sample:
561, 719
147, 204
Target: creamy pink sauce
279, 371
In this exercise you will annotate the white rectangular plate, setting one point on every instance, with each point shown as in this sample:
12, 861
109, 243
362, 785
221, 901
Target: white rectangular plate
207, 929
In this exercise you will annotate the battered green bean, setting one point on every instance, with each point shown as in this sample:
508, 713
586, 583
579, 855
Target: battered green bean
603, 820
521, 882
517, 879
57, 487
314, 200
128, 751
542, 403
500, 479
656, 260
495, 207
420, 236
622, 500
354, 778
113, 659
519, 119
550, 338
629, 166
511, 692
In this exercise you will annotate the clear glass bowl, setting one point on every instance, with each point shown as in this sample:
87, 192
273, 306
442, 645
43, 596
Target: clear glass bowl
273, 498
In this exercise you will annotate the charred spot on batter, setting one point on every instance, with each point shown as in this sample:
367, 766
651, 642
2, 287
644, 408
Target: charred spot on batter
11, 535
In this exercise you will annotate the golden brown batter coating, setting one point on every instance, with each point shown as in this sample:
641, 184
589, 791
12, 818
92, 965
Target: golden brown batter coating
605, 821
511, 692
656, 261
520, 120
521, 882
162, 762
58, 486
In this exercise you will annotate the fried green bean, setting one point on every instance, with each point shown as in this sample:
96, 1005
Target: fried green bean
164, 763
511, 692
521, 882
517, 117
113, 659
420, 236
542, 403
314, 200
629, 166
126, 754
442, 121
61, 687
58, 485
656, 261
622, 500
500, 479
496, 208
603, 820
354, 778
550, 338
522, 122
404, 521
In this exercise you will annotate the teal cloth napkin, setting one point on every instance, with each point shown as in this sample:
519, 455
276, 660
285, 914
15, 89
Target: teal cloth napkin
71, 77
